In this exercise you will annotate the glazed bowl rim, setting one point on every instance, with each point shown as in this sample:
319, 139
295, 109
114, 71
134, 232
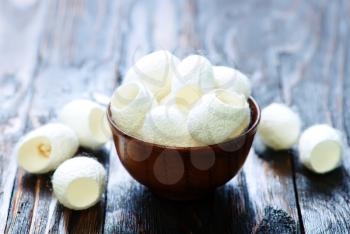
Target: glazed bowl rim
182, 148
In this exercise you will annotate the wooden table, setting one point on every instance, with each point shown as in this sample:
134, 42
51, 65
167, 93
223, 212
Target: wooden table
297, 52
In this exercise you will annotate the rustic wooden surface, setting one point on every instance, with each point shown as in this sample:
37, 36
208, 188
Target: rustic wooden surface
294, 51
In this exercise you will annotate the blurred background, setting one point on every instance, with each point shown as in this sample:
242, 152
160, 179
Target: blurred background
279, 44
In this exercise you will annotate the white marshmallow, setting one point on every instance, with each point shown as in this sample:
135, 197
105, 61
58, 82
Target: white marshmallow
320, 148
79, 183
44, 148
185, 99
129, 105
218, 116
88, 120
279, 126
166, 125
232, 80
155, 71
193, 78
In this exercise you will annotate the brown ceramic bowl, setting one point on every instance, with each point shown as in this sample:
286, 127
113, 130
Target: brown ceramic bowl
184, 173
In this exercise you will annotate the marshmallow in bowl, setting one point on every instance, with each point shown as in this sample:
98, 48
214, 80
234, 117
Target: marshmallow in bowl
166, 125
232, 80
200, 109
129, 105
218, 116
154, 71
193, 78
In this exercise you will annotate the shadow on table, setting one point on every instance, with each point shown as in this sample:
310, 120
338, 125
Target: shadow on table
323, 184
279, 161
224, 211
283, 161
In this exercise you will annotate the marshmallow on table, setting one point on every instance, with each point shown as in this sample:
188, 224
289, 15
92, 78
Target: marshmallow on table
218, 116
232, 80
320, 148
44, 148
129, 105
88, 120
79, 183
166, 125
155, 71
193, 78
279, 126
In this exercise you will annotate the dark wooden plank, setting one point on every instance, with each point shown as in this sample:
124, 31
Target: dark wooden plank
78, 58
320, 93
268, 176
119, 216
262, 197
344, 77
18, 66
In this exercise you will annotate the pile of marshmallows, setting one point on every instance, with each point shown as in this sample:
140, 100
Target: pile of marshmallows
169, 102
181, 103
191, 103
78, 182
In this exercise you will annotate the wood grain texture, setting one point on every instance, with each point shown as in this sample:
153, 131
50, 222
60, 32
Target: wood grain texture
65, 72
296, 52
18, 61
268, 176
254, 208
320, 95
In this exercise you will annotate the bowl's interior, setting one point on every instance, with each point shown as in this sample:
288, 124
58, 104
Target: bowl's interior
255, 118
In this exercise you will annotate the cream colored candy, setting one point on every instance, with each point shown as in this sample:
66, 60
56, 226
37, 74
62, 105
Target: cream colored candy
129, 105
155, 71
44, 148
88, 120
184, 103
279, 126
79, 183
218, 116
166, 125
193, 78
232, 80
320, 148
